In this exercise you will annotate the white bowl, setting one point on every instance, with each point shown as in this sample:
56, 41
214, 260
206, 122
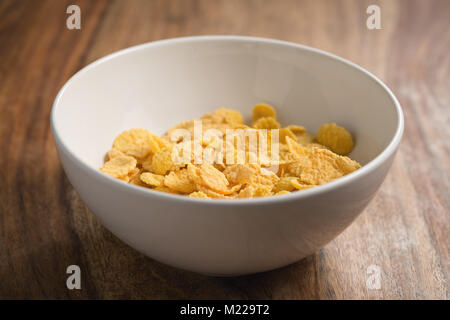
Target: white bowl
159, 84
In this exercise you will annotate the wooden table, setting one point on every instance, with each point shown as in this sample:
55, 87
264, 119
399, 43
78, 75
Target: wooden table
45, 227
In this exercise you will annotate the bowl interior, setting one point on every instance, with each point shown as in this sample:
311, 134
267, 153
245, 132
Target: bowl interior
158, 85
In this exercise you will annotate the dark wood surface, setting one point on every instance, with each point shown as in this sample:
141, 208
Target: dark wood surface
44, 226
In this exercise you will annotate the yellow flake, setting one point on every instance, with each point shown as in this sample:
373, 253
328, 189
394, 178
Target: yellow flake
188, 125
263, 110
263, 191
147, 163
135, 178
305, 139
286, 132
213, 178
337, 138
162, 161
158, 143
119, 167
316, 145
266, 123
294, 147
326, 166
239, 173
216, 195
284, 184
206, 175
220, 166
229, 116
265, 177
179, 181
300, 186
210, 180
165, 189
251, 191
151, 179
247, 192
134, 142
134, 173
297, 130
317, 166
295, 168
114, 153
198, 194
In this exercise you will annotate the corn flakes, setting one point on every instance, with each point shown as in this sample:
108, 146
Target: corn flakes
223, 115
179, 181
263, 110
281, 193
337, 138
198, 194
252, 165
266, 123
120, 166
286, 132
162, 161
154, 180
239, 173
285, 184
297, 130
134, 142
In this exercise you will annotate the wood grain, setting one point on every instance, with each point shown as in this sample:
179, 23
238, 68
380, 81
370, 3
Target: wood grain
44, 226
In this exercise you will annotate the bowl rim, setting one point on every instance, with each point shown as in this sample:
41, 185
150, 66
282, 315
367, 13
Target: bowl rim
327, 187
